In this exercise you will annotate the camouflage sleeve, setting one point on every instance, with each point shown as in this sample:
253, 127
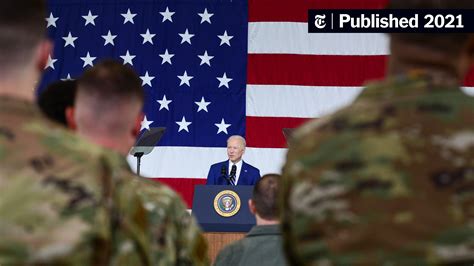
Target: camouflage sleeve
52, 203
178, 237
191, 244
382, 182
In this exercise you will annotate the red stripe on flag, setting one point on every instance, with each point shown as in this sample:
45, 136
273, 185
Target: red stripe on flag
314, 70
320, 70
266, 132
297, 11
183, 186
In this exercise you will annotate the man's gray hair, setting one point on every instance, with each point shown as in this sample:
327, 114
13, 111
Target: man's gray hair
242, 140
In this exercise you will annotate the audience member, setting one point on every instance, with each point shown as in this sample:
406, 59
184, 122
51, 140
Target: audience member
263, 244
108, 106
107, 112
64, 201
56, 98
389, 180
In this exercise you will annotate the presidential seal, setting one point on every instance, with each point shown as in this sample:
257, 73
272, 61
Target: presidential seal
227, 203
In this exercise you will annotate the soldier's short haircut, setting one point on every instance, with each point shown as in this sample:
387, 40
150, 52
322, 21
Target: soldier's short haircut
265, 196
22, 27
110, 79
54, 100
107, 97
451, 43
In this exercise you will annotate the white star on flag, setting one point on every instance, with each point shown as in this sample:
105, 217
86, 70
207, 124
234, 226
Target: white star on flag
51, 62
205, 16
185, 79
128, 17
166, 57
90, 19
146, 80
183, 125
225, 38
222, 127
167, 15
224, 80
186, 37
202, 105
88, 60
145, 124
51, 20
127, 58
109, 38
68, 77
69, 40
147, 37
164, 103
205, 59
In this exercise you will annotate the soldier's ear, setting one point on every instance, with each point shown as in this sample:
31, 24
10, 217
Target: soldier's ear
70, 119
43, 52
466, 60
138, 125
252, 207
470, 48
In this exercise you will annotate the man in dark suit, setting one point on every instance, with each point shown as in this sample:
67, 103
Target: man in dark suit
233, 171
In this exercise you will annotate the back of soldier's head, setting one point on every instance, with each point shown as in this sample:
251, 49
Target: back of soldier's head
449, 43
109, 97
22, 27
54, 100
265, 196
110, 78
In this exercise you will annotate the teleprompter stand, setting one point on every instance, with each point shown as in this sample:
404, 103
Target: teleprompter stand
145, 143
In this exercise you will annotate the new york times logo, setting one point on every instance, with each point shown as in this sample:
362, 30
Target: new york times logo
320, 21
388, 21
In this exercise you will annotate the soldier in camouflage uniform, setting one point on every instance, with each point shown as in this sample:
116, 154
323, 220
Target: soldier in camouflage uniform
390, 179
64, 201
107, 112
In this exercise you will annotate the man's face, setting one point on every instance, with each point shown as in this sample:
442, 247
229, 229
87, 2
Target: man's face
235, 149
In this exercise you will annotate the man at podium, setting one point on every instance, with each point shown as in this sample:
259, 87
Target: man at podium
233, 171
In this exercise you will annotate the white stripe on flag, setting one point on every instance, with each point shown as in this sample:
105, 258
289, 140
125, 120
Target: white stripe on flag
293, 38
468, 90
193, 162
297, 101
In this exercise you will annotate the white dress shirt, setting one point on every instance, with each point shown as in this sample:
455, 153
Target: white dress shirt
237, 173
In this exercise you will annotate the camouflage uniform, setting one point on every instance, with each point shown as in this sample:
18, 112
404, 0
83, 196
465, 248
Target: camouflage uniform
386, 181
65, 201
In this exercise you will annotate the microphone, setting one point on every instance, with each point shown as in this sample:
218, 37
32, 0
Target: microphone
223, 170
224, 173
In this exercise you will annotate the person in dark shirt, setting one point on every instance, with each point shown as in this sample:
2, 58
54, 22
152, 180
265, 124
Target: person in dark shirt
263, 244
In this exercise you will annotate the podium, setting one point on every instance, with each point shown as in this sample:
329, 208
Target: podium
215, 210
206, 208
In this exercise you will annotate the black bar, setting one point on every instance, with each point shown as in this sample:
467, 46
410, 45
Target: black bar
391, 21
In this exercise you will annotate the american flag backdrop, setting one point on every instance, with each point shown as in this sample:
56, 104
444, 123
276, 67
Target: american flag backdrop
213, 68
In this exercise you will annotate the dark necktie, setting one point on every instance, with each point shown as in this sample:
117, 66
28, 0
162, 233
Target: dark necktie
233, 171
